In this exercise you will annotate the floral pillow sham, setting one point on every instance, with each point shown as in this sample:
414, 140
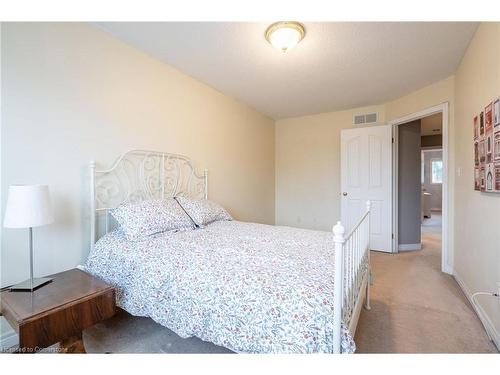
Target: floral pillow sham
203, 211
152, 216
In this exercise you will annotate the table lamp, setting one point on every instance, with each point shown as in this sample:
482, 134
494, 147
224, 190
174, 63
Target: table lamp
28, 206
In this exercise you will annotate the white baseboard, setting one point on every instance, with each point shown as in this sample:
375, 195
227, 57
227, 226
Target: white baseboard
8, 340
409, 246
483, 317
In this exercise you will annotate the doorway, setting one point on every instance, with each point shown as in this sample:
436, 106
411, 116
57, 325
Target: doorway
416, 199
432, 190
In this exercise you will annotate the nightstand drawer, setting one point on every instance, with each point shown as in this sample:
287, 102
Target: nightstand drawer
53, 326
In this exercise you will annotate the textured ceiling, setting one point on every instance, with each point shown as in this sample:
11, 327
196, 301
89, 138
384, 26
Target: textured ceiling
337, 65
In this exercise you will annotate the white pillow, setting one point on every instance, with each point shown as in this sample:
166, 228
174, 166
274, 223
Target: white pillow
203, 211
148, 217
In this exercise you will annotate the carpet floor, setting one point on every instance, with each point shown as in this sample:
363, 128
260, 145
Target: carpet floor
125, 333
415, 309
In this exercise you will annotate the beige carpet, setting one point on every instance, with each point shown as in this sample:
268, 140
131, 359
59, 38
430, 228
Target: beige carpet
416, 308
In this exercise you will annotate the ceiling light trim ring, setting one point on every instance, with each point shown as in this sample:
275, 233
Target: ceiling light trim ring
285, 24
281, 24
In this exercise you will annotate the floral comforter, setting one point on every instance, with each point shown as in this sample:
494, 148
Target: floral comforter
249, 287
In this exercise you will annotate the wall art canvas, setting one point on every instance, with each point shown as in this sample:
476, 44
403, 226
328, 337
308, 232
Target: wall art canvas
477, 164
486, 136
496, 113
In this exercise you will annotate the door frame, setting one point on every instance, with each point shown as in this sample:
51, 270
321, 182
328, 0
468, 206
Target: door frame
443, 108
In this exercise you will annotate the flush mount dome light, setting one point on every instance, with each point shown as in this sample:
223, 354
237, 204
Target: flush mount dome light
285, 35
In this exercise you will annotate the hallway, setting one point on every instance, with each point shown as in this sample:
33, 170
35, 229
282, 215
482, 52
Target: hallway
416, 308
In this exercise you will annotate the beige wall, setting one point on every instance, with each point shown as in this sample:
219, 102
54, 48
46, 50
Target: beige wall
436, 93
477, 220
308, 167
308, 156
72, 93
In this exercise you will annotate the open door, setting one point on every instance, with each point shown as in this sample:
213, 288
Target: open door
366, 174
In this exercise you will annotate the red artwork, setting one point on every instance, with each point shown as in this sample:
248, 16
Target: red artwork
476, 127
488, 132
481, 123
488, 119
496, 113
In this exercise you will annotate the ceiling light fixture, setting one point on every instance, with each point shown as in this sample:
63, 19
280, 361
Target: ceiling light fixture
285, 35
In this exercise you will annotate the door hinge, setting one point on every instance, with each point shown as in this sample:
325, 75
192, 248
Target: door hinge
393, 236
392, 139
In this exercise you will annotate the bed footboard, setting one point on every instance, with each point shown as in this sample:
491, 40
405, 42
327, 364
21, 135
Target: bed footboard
352, 273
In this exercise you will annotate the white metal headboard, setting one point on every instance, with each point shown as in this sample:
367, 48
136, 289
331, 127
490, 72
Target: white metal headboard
139, 175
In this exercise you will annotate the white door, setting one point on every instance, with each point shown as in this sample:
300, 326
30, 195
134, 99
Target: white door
366, 174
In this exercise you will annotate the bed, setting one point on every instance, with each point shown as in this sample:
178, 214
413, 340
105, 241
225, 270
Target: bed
249, 287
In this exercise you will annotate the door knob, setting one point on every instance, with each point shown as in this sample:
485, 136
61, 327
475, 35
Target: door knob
344, 193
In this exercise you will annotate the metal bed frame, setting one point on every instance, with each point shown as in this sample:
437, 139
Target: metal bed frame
142, 174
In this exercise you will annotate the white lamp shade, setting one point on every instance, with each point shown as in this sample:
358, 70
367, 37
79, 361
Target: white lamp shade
28, 206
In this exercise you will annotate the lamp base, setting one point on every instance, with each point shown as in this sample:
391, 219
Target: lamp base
25, 286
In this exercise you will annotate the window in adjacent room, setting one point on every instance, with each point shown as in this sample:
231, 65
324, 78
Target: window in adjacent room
436, 171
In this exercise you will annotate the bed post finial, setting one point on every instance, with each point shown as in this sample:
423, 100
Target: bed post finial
338, 231
338, 239
92, 204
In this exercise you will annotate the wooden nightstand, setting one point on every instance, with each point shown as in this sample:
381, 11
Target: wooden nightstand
59, 311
